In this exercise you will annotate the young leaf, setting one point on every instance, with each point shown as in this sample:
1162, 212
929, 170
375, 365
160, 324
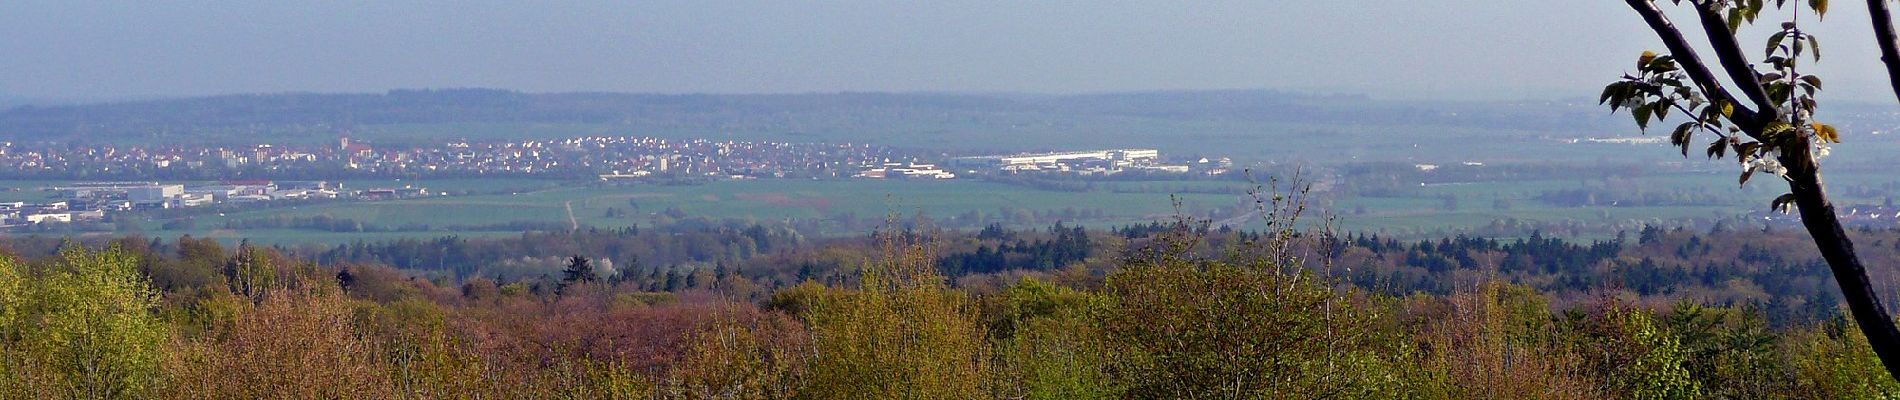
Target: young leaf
1827, 132
1783, 203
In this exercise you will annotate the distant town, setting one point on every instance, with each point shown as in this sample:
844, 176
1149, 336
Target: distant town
603, 157
160, 178
94, 201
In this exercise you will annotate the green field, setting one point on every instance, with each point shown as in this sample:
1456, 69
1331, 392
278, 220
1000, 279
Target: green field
758, 200
479, 207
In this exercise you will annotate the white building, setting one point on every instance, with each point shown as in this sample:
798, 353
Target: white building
154, 193
44, 218
897, 170
1049, 160
192, 200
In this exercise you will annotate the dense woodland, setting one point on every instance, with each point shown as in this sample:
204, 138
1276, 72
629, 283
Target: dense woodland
753, 311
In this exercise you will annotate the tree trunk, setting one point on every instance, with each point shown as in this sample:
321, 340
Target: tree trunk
1817, 214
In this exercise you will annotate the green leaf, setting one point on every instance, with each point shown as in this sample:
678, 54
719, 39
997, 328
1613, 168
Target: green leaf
1642, 115
1745, 175
1774, 41
1776, 131
1820, 7
1643, 61
1716, 149
1662, 63
1815, 45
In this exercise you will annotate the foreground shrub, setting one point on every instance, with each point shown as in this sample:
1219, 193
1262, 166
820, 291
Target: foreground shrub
79, 325
902, 335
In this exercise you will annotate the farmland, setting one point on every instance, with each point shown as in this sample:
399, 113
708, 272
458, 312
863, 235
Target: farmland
481, 207
488, 207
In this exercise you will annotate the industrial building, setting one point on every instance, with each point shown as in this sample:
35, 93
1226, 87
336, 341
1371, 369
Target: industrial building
1090, 161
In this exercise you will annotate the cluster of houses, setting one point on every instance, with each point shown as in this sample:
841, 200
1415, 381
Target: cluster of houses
1865, 215
608, 156
94, 201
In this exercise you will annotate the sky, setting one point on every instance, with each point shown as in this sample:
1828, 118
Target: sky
1441, 49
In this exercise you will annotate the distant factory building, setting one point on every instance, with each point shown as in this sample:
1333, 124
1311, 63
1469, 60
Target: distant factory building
154, 193
1128, 156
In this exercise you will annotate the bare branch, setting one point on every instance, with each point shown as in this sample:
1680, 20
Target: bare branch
1728, 51
1692, 64
1885, 38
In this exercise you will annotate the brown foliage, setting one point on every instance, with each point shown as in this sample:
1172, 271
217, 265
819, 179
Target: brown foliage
295, 344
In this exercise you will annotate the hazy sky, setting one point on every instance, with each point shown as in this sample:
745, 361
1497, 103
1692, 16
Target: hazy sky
1388, 48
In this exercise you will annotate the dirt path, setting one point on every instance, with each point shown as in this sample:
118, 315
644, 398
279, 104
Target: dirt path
572, 224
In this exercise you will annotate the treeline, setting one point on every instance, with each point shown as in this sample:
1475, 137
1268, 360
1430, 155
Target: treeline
690, 242
1187, 312
329, 223
999, 250
1774, 271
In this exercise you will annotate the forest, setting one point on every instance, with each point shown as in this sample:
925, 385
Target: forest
734, 310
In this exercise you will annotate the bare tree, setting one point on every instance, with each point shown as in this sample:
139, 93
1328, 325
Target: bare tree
1770, 128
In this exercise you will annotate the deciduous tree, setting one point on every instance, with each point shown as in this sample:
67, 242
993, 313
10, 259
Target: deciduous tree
1770, 127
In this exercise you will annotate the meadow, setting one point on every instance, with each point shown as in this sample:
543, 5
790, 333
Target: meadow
1414, 213
489, 207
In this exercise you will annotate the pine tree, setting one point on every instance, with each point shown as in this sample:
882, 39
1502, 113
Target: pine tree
579, 270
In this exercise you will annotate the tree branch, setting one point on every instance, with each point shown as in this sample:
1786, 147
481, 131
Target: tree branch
1885, 38
1817, 215
1692, 64
1728, 51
